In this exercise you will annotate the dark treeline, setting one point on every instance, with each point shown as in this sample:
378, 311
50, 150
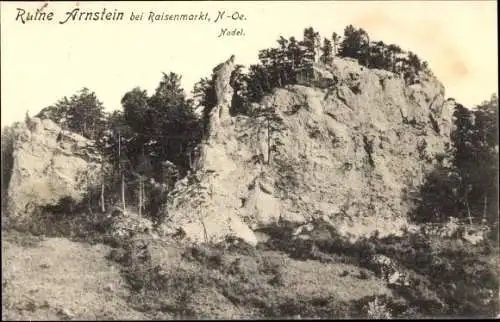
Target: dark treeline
466, 187
292, 60
152, 141
149, 143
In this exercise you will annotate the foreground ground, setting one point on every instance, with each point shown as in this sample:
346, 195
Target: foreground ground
54, 278
146, 278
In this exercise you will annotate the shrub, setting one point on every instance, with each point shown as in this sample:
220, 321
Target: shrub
377, 310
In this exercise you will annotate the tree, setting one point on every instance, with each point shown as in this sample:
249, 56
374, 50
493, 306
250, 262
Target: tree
239, 84
294, 54
414, 61
272, 123
7, 161
336, 41
326, 52
83, 113
103, 145
259, 82
282, 65
114, 145
175, 128
413, 67
379, 56
393, 51
283, 62
27, 117
311, 42
476, 157
169, 92
485, 183
272, 61
468, 188
57, 112
204, 90
143, 170
135, 108
116, 142
365, 48
354, 42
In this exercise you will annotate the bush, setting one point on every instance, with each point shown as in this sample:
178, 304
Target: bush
378, 310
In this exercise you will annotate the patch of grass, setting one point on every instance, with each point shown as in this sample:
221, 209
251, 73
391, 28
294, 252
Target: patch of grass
21, 239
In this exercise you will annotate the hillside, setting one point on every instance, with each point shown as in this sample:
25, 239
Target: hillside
298, 208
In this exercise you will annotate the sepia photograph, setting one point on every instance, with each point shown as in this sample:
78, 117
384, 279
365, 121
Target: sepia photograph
168, 160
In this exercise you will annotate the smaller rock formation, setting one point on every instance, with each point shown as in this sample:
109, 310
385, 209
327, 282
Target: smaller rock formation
49, 165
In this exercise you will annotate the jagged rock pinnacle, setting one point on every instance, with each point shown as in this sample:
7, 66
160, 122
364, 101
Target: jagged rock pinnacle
223, 90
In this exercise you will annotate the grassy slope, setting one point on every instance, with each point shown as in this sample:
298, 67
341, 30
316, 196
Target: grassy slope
326, 277
55, 278
208, 282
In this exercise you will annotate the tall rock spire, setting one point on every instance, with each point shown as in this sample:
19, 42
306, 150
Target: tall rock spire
223, 90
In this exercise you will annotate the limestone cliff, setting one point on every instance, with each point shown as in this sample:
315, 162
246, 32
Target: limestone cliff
344, 150
49, 164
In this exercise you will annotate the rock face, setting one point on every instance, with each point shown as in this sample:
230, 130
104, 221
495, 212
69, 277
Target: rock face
345, 152
49, 165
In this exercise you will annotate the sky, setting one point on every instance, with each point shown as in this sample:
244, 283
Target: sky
43, 61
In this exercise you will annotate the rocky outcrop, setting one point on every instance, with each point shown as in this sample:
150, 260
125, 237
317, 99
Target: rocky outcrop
49, 165
347, 151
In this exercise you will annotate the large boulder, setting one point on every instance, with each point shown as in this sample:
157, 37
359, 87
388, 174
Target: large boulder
49, 165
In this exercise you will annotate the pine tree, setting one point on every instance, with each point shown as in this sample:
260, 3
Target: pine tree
135, 108
239, 84
295, 55
326, 52
175, 128
336, 41
83, 113
393, 51
351, 44
356, 44
380, 56
204, 90
468, 188
27, 118
310, 43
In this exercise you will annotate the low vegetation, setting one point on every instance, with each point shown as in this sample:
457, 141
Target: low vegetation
446, 277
